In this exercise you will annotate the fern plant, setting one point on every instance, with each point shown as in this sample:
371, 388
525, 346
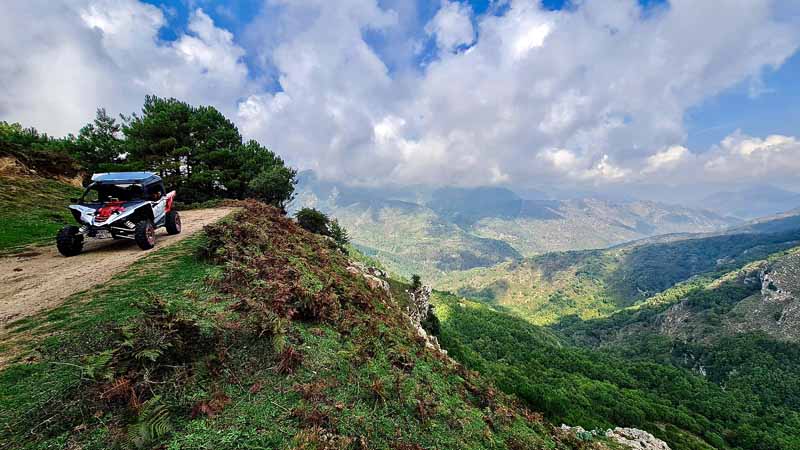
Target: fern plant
153, 423
98, 366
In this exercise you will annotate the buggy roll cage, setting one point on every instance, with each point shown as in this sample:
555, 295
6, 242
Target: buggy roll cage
148, 183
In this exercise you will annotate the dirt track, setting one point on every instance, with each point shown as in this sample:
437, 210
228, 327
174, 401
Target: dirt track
40, 278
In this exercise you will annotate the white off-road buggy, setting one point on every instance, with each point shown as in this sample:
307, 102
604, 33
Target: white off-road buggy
122, 205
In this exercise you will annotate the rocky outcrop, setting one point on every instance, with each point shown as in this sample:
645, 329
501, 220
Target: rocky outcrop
374, 277
775, 310
419, 307
631, 438
419, 304
636, 439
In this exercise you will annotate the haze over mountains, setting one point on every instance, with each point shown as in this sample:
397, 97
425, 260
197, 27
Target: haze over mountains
435, 230
756, 201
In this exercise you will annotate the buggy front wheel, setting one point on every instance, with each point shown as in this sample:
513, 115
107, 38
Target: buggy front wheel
145, 234
69, 241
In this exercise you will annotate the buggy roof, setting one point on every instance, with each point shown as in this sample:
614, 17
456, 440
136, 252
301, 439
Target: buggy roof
125, 177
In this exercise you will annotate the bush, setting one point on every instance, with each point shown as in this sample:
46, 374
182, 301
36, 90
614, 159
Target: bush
339, 234
416, 283
314, 221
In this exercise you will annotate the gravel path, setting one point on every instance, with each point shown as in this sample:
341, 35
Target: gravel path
40, 278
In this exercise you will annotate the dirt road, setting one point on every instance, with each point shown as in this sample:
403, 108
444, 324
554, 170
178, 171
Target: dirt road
40, 278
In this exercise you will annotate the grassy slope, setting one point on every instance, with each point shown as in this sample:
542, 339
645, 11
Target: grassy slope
596, 283
417, 241
32, 210
758, 408
274, 346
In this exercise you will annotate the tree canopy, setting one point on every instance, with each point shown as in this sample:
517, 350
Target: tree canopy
196, 149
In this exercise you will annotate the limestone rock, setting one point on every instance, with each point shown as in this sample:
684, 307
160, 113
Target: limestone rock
417, 311
631, 438
636, 439
374, 277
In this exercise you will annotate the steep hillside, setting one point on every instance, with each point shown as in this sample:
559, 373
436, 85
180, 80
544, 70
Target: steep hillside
761, 297
259, 335
596, 283
432, 231
743, 393
736, 329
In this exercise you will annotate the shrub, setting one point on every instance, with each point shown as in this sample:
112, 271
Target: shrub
314, 221
339, 234
416, 283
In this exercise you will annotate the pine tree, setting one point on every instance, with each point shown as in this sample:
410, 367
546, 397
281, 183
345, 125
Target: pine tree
99, 143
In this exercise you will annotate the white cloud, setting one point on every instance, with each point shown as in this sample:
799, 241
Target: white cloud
211, 48
737, 160
595, 94
63, 59
605, 85
775, 159
452, 25
561, 159
668, 159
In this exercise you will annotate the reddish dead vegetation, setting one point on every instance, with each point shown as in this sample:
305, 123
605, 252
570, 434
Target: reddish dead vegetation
121, 390
274, 267
211, 407
155, 347
406, 446
314, 392
314, 416
289, 359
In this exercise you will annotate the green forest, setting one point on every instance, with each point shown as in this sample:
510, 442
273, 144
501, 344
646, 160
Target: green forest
748, 400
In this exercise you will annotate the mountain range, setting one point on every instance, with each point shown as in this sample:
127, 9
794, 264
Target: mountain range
439, 230
264, 334
752, 202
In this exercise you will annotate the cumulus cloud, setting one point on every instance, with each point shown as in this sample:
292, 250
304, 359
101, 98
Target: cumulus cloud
605, 84
452, 25
741, 157
737, 160
524, 96
668, 159
60, 60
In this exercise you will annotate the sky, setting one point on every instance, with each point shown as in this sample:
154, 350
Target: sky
604, 95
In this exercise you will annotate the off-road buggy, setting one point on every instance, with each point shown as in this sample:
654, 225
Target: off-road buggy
122, 205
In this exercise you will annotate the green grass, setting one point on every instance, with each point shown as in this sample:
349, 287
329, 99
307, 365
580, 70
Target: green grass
32, 210
172, 271
341, 396
187, 337
58, 341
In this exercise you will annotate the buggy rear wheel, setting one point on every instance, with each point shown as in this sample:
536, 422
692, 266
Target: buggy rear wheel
173, 222
69, 241
145, 234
